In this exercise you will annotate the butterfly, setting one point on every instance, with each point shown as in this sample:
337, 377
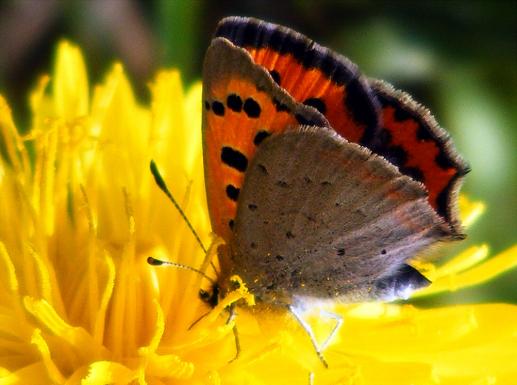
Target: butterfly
322, 183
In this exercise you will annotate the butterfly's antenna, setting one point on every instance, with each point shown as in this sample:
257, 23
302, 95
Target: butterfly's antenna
158, 262
161, 184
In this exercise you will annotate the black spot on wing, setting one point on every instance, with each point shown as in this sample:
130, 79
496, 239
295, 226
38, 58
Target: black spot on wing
263, 169
282, 183
304, 121
252, 108
234, 102
280, 107
260, 136
361, 103
275, 75
232, 192
443, 160
394, 154
218, 108
234, 158
317, 103
413, 172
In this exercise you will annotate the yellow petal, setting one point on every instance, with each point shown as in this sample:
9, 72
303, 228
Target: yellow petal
12, 149
464, 270
470, 210
53, 371
70, 88
105, 372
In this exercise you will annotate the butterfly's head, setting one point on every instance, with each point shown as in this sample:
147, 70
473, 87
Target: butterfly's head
211, 296
221, 288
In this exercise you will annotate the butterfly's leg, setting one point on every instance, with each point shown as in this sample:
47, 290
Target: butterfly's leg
199, 319
337, 326
231, 317
310, 333
237, 343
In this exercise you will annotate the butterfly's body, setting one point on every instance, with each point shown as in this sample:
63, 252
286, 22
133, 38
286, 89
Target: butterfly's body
304, 211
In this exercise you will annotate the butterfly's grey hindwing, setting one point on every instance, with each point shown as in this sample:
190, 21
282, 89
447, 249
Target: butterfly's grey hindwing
324, 218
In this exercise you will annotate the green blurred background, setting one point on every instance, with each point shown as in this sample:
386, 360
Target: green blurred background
457, 57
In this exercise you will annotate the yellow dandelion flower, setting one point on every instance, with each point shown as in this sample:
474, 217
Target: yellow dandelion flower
79, 304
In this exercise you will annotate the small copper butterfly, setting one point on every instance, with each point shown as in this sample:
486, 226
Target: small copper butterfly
322, 183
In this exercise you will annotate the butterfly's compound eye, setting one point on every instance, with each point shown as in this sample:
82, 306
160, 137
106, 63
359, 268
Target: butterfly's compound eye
210, 297
204, 295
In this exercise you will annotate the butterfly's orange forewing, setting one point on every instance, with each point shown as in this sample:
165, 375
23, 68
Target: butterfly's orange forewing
242, 106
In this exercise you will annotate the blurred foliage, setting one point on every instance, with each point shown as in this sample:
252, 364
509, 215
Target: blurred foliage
457, 57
